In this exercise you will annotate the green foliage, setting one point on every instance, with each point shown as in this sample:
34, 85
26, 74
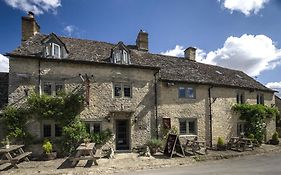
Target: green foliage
154, 143
102, 137
47, 147
220, 142
14, 120
62, 108
255, 116
275, 139
251, 136
73, 135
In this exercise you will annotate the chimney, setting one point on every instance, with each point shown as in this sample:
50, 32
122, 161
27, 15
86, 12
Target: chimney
29, 26
142, 41
190, 53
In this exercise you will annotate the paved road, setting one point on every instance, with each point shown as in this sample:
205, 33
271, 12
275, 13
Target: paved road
269, 164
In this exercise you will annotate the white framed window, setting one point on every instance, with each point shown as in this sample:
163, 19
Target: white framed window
52, 88
121, 57
122, 90
93, 126
53, 50
50, 129
240, 97
186, 92
188, 126
260, 99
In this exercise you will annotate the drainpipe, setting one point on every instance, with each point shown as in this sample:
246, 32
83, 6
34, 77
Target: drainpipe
210, 116
39, 77
156, 104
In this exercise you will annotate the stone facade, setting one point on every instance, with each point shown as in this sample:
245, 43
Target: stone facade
224, 120
103, 106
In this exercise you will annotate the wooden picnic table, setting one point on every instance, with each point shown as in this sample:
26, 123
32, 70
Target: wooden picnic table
241, 144
85, 152
13, 155
196, 146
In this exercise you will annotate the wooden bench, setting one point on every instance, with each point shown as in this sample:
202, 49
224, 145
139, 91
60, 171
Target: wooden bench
13, 155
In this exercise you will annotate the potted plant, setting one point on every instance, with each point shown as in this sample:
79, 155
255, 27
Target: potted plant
48, 153
220, 145
274, 140
6, 143
87, 141
154, 145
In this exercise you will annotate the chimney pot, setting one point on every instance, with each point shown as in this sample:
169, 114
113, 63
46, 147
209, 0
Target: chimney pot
142, 41
190, 53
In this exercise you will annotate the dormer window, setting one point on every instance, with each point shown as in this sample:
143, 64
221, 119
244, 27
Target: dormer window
121, 57
53, 50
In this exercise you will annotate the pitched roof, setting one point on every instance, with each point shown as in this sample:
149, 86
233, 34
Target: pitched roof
171, 68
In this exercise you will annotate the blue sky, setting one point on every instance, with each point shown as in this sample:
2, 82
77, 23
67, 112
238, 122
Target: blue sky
237, 34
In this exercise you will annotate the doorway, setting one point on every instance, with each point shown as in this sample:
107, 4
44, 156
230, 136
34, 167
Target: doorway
122, 135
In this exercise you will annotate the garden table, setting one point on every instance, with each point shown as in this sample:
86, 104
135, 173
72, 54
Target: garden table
13, 155
85, 152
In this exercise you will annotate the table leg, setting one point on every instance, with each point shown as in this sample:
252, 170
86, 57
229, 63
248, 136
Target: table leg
75, 160
10, 158
22, 152
94, 159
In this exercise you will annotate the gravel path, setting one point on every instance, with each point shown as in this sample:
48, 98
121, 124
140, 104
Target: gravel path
124, 162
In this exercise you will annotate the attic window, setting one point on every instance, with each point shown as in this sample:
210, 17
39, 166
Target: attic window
218, 72
121, 57
53, 50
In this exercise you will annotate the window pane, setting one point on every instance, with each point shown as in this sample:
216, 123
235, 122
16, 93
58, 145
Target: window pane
181, 92
125, 57
237, 98
56, 51
182, 126
192, 127
58, 130
190, 92
127, 91
59, 88
117, 90
47, 89
47, 131
117, 56
97, 128
166, 123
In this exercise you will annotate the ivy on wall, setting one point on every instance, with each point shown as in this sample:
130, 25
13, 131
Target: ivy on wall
255, 117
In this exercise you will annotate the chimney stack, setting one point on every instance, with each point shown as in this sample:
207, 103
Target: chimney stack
142, 41
190, 53
29, 26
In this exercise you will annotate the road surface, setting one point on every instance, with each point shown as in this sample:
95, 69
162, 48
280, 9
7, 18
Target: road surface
267, 164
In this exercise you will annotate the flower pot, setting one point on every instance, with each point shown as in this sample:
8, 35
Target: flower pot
7, 146
50, 156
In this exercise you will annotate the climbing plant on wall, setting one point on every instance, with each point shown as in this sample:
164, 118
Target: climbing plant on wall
255, 117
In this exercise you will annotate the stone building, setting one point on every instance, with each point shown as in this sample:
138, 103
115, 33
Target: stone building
131, 91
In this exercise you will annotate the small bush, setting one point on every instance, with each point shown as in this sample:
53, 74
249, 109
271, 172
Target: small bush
220, 141
275, 140
154, 145
102, 137
72, 136
251, 136
47, 147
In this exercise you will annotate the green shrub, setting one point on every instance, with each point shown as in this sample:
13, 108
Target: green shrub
154, 143
275, 139
47, 147
220, 141
251, 136
102, 137
72, 136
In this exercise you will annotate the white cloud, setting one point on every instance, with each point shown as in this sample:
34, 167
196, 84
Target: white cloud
178, 51
36, 6
69, 30
248, 53
4, 64
245, 6
274, 85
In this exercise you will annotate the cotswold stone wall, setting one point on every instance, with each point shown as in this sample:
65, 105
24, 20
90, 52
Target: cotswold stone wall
102, 105
224, 120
